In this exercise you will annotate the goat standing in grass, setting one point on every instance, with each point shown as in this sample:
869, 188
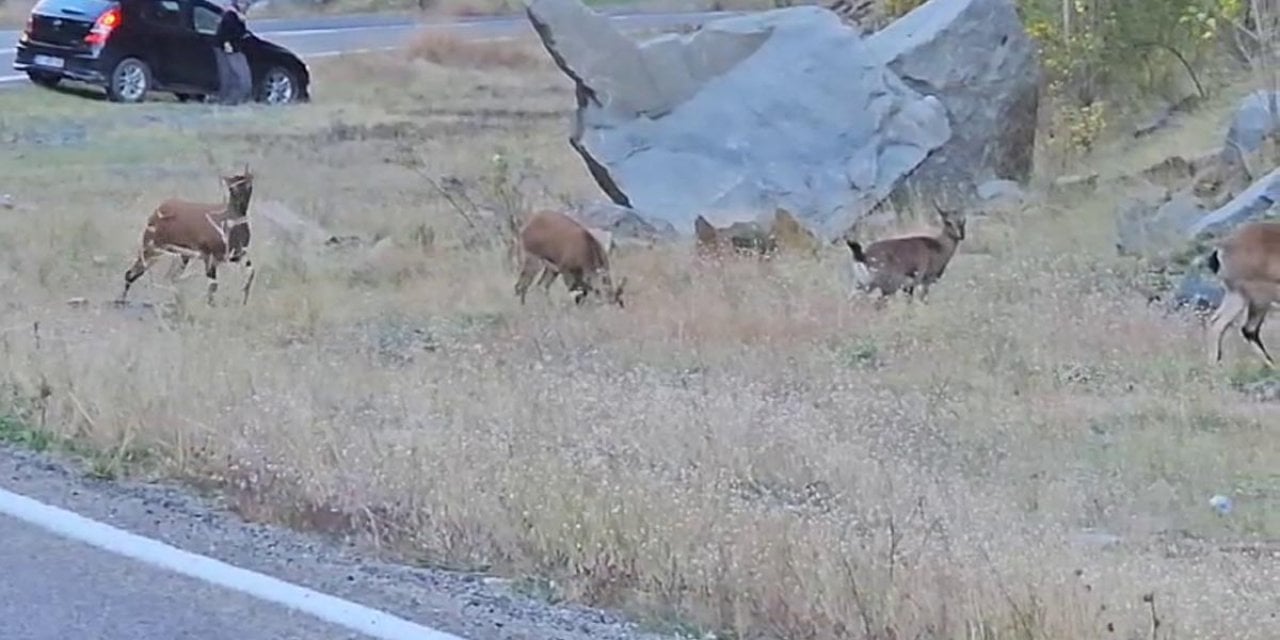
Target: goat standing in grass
1248, 262
909, 262
558, 245
215, 233
739, 238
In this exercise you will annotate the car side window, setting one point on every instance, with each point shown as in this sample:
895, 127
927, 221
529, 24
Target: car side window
165, 13
206, 19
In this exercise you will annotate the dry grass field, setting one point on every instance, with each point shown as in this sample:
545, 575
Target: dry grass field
1028, 454
13, 13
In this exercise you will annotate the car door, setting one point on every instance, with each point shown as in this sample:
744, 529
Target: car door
201, 67
162, 37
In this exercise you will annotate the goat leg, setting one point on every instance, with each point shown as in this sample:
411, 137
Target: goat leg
135, 271
248, 278
549, 275
211, 272
1232, 305
1252, 331
527, 271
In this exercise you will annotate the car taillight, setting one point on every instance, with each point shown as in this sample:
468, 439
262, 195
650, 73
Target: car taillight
103, 26
26, 31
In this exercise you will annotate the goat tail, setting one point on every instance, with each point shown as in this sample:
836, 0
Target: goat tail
858, 255
1214, 262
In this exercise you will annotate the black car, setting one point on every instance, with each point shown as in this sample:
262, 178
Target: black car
131, 47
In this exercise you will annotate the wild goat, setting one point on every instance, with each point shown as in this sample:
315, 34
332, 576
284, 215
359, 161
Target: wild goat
738, 238
907, 262
557, 244
215, 233
1248, 262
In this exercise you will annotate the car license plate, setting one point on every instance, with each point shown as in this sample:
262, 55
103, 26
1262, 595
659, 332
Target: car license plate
50, 61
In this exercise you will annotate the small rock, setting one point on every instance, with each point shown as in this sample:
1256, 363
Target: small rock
1131, 219
1263, 390
1100, 539
1154, 123
626, 223
1197, 292
1221, 504
344, 242
1145, 229
77, 302
100, 261
995, 189
6, 201
1077, 185
1001, 195
1172, 172
1253, 121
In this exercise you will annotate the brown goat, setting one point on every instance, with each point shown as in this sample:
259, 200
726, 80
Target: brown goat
215, 233
740, 238
909, 262
557, 244
792, 236
1248, 262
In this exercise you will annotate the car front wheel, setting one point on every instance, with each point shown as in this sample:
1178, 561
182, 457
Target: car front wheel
129, 81
278, 86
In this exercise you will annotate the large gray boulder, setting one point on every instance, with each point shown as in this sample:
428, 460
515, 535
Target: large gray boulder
976, 57
1256, 118
627, 225
1255, 202
791, 108
1151, 229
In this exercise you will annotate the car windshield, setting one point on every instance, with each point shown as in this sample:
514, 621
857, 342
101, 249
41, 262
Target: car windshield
87, 8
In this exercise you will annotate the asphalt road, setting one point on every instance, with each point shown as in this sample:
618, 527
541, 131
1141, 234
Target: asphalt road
334, 35
54, 589
56, 585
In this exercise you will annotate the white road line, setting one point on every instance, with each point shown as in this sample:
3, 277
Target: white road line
4, 79
320, 32
330, 54
344, 52
335, 610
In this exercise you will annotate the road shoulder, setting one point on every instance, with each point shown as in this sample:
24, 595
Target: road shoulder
467, 605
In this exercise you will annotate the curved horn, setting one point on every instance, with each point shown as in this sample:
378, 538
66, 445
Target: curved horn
938, 206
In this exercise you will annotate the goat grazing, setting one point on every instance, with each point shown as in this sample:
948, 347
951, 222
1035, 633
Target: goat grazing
792, 236
1248, 263
739, 238
557, 244
907, 262
215, 233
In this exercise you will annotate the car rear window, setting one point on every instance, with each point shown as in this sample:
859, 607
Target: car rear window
87, 8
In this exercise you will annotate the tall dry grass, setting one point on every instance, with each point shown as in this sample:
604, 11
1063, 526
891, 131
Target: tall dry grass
739, 450
449, 49
13, 13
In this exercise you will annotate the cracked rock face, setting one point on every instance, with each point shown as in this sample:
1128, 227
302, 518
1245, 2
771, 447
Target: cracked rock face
791, 108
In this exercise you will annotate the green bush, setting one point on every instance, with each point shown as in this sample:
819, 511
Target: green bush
1100, 53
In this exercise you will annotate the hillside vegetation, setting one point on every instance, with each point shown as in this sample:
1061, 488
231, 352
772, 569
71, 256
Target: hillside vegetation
741, 450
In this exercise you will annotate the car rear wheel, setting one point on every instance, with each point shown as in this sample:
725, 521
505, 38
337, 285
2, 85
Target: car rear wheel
130, 81
278, 86
44, 79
